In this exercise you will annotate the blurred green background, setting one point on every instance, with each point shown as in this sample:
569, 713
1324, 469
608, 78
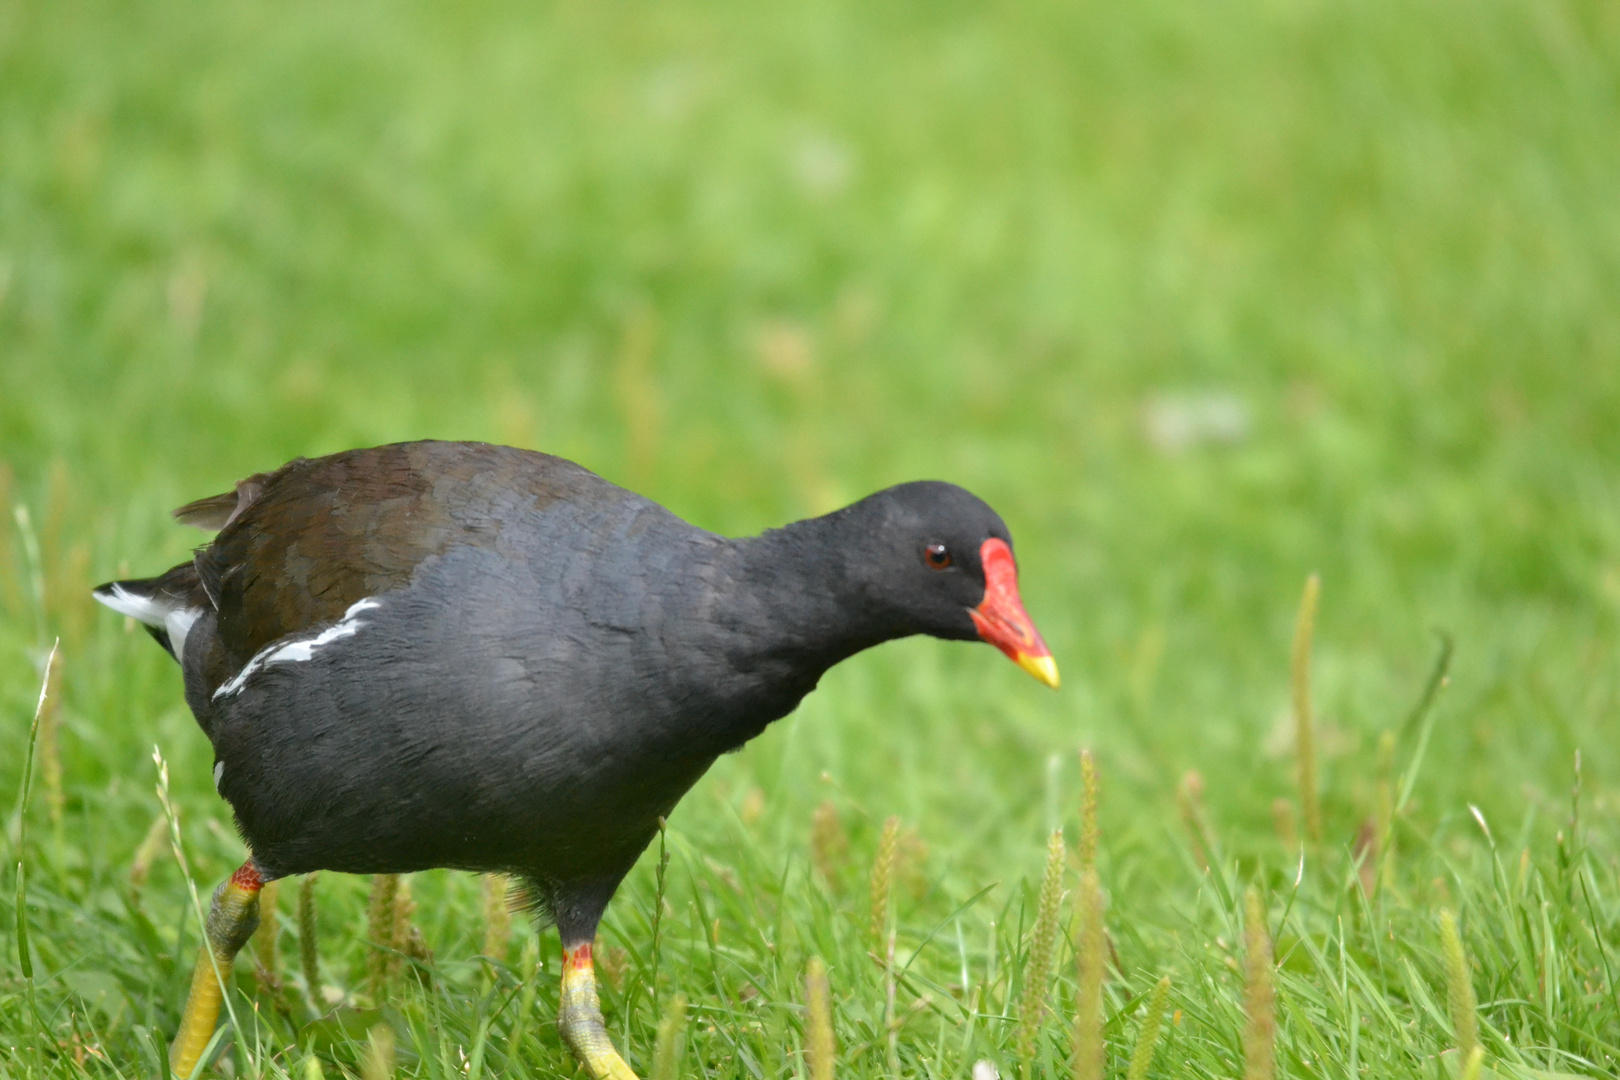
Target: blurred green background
757, 263
1201, 297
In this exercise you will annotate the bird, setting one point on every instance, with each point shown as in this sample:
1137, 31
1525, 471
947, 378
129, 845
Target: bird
461, 655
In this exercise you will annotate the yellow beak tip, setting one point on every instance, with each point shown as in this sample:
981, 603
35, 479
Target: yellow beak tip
1043, 668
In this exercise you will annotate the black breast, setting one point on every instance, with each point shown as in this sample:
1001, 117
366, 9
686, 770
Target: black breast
523, 704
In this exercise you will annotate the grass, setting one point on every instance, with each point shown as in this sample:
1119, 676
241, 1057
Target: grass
1204, 299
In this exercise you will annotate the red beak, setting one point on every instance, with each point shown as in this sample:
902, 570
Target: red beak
1001, 619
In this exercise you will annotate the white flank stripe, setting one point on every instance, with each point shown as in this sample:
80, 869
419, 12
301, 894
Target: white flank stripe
296, 651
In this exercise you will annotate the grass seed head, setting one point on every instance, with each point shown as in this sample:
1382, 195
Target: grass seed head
1190, 800
408, 942
66, 562
1285, 823
497, 915
883, 878
1147, 1037
1304, 728
1259, 1001
671, 1032
309, 950
1365, 851
829, 843
1575, 803
1459, 986
613, 961
1089, 830
266, 959
818, 1043
404, 937
1093, 961
1042, 949
380, 931
911, 863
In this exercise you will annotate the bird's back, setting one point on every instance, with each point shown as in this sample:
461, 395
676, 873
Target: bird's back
434, 654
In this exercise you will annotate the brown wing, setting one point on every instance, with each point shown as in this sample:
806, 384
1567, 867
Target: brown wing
218, 511
317, 535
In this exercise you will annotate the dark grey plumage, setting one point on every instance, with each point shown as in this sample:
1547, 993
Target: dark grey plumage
450, 654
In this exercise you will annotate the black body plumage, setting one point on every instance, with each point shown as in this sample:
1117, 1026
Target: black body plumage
448, 654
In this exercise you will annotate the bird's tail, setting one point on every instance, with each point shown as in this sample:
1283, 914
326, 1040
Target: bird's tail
167, 606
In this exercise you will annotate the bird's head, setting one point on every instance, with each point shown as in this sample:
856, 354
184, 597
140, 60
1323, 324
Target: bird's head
941, 561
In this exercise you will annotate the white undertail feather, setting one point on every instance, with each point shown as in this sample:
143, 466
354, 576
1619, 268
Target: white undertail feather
142, 609
287, 652
178, 623
172, 618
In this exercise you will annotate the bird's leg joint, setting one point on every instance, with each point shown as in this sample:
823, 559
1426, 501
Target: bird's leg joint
579, 1016
234, 914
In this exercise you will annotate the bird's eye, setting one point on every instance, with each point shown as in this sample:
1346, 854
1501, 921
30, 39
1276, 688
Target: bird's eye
937, 556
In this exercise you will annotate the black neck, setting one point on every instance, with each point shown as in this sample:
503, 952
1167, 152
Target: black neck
788, 606
813, 604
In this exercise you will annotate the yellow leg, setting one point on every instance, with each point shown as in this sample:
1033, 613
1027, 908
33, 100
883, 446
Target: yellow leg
232, 918
579, 1016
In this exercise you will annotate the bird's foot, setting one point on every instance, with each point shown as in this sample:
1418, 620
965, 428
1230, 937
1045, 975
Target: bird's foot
232, 918
579, 1016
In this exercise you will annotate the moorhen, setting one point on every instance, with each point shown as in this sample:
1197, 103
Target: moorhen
438, 654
